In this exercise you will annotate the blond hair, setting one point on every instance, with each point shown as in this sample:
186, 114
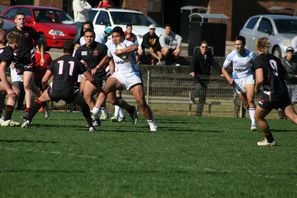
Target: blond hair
12, 36
263, 45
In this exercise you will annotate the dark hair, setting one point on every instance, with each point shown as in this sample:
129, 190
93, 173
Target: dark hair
167, 25
88, 23
68, 46
89, 30
119, 30
240, 38
203, 42
19, 13
128, 25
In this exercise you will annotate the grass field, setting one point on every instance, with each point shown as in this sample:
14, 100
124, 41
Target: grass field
187, 157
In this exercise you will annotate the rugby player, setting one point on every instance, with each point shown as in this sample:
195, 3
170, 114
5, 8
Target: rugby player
126, 75
242, 77
65, 71
6, 58
25, 59
91, 54
270, 75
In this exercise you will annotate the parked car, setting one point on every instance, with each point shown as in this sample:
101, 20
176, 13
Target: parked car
6, 24
54, 24
102, 17
280, 29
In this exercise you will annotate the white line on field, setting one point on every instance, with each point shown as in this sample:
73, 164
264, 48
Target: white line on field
49, 152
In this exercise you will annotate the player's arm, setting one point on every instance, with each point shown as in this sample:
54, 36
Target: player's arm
102, 64
128, 49
259, 78
111, 66
226, 75
48, 74
4, 80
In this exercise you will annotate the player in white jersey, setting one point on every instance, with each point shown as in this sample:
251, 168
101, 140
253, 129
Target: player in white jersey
242, 77
126, 75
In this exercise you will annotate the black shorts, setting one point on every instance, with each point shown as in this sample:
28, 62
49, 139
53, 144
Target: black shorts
21, 68
269, 105
98, 82
58, 96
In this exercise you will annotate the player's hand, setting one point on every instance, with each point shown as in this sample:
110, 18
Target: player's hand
118, 51
231, 81
93, 71
11, 94
42, 61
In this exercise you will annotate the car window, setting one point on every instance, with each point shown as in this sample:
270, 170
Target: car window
288, 26
265, 26
133, 18
103, 18
26, 11
10, 14
252, 22
52, 16
91, 15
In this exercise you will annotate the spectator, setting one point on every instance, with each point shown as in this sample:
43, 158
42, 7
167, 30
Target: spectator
103, 36
105, 4
170, 43
200, 70
290, 64
151, 46
80, 12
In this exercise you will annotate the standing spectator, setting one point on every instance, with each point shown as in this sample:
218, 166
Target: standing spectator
242, 78
104, 4
170, 43
151, 46
200, 70
270, 75
290, 64
80, 12
25, 59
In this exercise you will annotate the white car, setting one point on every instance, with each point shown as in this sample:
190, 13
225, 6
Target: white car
103, 17
279, 29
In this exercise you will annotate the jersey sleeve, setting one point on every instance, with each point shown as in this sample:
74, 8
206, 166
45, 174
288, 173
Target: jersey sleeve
51, 66
258, 63
7, 57
82, 67
78, 54
228, 59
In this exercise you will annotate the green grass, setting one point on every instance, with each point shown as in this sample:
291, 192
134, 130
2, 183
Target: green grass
187, 157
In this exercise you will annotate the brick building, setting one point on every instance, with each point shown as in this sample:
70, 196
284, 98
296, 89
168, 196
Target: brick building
165, 11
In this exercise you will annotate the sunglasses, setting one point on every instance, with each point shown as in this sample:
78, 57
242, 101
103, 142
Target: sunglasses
204, 46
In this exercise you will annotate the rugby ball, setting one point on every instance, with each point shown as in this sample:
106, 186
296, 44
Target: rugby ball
122, 46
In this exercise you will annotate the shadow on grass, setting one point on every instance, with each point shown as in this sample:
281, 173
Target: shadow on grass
283, 130
29, 141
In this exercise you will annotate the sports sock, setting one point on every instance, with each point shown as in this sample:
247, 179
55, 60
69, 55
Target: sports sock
269, 137
8, 112
35, 108
121, 113
116, 111
96, 110
252, 111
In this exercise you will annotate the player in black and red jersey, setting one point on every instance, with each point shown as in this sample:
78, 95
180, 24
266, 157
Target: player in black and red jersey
91, 54
25, 60
270, 75
65, 71
6, 58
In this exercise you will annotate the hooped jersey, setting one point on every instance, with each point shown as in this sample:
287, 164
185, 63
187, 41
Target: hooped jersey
242, 64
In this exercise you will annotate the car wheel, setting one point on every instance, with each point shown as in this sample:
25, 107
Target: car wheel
277, 52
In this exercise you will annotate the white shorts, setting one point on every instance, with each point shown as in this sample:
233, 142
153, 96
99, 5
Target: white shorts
128, 79
239, 84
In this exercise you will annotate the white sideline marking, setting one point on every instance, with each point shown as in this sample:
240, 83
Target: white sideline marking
49, 152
